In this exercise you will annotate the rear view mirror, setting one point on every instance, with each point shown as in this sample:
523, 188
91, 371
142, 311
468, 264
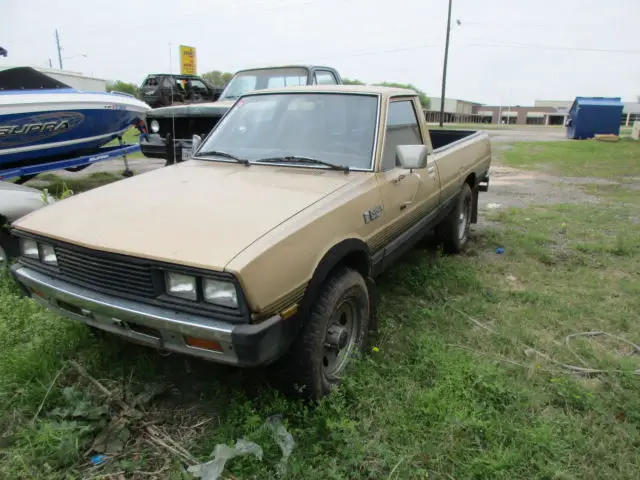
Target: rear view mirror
412, 156
196, 140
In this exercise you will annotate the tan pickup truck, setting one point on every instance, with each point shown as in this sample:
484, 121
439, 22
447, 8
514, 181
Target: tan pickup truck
265, 244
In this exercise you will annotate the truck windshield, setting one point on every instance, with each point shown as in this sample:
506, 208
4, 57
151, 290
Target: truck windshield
244, 82
335, 128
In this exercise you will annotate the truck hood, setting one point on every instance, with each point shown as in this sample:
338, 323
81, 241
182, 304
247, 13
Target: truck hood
192, 110
197, 213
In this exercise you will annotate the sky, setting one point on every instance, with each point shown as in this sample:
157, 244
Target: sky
501, 51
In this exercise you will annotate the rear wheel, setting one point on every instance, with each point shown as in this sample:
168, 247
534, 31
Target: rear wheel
333, 335
453, 232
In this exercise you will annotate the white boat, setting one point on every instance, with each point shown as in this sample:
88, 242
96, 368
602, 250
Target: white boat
43, 120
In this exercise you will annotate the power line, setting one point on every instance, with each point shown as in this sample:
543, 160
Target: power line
192, 19
551, 47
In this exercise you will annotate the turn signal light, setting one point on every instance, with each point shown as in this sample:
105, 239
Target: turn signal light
203, 343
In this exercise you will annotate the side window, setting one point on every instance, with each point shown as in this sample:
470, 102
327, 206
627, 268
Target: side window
198, 85
402, 129
167, 82
324, 77
286, 81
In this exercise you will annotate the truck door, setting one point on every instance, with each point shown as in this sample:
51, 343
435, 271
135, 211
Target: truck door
406, 196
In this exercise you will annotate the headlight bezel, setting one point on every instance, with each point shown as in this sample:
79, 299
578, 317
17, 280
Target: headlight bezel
202, 279
231, 288
44, 254
191, 295
239, 315
35, 248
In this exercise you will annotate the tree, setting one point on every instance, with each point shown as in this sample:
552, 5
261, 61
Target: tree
424, 99
348, 81
218, 78
124, 87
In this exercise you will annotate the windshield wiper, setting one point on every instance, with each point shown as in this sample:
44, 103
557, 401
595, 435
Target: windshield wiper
218, 153
299, 159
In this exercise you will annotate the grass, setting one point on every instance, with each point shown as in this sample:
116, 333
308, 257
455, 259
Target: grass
580, 158
57, 185
439, 398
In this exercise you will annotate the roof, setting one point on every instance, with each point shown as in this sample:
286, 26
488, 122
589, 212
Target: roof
599, 101
437, 99
307, 67
172, 75
362, 89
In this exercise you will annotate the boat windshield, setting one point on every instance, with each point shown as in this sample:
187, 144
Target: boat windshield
27, 78
298, 129
244, 82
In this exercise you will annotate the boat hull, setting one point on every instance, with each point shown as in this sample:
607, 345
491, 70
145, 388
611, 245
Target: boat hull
41, 127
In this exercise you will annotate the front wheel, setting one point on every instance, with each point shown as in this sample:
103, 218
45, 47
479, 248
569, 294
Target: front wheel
334, 334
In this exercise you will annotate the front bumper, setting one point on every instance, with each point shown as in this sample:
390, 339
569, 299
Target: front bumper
169, 149
242, 345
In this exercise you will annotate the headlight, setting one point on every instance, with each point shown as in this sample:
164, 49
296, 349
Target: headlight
155, 126
220, 293
29, 248
180, 285
48, 254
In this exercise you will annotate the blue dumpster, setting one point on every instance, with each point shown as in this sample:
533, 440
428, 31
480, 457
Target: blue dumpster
591, 116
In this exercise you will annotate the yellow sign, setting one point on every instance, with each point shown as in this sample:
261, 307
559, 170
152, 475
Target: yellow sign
188, 60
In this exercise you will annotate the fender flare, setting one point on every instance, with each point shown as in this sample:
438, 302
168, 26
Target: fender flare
332, 258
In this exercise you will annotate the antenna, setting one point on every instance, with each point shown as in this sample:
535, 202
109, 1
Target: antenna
59, 49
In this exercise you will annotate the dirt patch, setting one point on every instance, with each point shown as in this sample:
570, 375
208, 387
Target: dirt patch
511, 187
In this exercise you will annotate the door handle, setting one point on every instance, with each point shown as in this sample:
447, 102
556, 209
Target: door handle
399, 179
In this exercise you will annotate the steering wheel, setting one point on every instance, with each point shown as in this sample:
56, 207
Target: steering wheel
341, 147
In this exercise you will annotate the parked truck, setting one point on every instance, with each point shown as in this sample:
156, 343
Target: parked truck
268, 247
172, 128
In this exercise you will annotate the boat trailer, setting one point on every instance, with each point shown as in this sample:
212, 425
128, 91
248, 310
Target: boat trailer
26, 173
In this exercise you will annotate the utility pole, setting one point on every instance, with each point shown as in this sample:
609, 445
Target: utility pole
59, 49
444, 68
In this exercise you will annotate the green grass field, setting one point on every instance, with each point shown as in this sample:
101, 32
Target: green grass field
442, 396
580, 158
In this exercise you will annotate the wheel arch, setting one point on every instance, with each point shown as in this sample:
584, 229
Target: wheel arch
352, 253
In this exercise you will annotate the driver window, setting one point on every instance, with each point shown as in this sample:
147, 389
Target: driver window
324, 77
402, 129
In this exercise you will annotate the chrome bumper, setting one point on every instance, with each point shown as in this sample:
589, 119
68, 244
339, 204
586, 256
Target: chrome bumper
149, 325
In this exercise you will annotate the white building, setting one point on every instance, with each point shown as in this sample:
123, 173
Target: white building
75, 80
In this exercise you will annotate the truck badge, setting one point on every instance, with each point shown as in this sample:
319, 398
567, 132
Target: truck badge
372, 214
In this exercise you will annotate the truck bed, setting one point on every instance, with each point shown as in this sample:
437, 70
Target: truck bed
442, 138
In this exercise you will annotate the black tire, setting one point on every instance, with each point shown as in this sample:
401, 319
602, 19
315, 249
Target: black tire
453, 232
8, 245
312, 368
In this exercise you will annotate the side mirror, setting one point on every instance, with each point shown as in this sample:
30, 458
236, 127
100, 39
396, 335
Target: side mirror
196, 140
412, 157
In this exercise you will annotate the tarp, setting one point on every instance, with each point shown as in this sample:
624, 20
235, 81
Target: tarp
27, 78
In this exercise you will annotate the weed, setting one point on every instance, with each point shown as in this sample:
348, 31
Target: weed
440, 397
585, 158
